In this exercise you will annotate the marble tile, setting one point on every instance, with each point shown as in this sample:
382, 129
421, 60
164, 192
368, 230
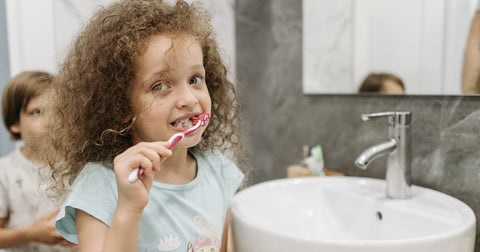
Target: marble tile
327, 46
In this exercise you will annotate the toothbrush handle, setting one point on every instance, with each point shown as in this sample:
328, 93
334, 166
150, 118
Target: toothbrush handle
137, 172
175, 139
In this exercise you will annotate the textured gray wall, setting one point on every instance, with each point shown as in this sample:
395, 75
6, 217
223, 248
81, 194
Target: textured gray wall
279, 118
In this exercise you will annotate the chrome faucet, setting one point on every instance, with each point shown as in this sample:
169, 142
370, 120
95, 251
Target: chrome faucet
398, 148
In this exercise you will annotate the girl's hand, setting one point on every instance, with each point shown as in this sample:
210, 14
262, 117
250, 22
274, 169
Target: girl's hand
134, 196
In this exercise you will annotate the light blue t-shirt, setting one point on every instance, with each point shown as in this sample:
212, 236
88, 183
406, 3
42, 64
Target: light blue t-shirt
180, 218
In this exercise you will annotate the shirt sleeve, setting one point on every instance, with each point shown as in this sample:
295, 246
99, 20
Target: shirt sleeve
233, 178
94, 192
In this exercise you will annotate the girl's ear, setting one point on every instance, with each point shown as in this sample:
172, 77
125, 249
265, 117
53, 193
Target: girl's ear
127, 119
15, 128
126, 115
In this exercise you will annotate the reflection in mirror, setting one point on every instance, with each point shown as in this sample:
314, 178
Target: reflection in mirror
382, 83
471, 58
421, 41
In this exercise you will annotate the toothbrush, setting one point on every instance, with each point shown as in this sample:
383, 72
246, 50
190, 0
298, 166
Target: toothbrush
198, 121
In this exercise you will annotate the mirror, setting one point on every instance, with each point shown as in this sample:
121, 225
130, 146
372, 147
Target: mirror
420, 41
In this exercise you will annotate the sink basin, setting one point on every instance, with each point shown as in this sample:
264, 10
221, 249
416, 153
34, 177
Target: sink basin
344, 214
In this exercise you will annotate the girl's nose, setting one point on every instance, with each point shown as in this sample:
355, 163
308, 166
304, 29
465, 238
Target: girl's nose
186, 97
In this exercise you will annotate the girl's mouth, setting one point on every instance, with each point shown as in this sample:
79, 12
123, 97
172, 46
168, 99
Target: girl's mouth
183, 124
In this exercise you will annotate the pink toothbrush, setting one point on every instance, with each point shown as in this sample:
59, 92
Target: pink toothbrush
198, 121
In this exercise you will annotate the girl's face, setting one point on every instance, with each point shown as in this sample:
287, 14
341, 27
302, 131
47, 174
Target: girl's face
169, 89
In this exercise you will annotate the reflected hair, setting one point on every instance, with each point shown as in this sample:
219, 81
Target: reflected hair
374, 82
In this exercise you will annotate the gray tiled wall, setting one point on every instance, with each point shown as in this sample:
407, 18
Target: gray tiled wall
279, 118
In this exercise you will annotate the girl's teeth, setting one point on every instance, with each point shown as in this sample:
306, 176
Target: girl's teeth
185, 123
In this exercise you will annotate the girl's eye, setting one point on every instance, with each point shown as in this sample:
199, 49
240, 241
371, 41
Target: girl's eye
195, 80
35, 112
159, 87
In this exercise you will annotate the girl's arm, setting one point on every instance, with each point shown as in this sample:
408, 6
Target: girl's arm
42, 231
227, 239
122, 235
94, 235
471, 60
91, 231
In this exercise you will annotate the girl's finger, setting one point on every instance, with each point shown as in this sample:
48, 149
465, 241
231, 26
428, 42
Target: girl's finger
146, 156
153, 150
153, 156
136, 161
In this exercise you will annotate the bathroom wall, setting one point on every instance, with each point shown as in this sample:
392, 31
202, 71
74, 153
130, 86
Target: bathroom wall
5, 146
4, 68
279, 118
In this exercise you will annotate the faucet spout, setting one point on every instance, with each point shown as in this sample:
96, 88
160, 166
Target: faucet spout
398, 148
374, 152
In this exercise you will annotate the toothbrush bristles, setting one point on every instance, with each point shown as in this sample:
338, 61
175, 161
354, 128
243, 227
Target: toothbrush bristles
202, 119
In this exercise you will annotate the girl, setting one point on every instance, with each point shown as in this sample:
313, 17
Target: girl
138, 72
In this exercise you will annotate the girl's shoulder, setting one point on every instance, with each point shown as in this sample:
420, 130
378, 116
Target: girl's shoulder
98, 168
95, 181
95, 172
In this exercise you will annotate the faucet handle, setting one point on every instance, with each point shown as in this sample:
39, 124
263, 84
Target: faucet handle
366, 117
394, 117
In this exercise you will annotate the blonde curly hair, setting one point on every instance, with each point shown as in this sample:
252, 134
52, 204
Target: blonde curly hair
94, 81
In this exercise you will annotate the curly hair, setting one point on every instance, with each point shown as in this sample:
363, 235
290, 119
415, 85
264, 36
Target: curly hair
94, 81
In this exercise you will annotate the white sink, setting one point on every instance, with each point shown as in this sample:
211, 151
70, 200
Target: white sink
344, 214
